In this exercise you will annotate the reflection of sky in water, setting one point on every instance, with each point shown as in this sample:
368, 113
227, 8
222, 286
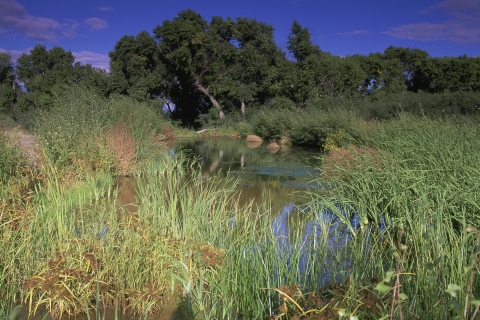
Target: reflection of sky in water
326, 238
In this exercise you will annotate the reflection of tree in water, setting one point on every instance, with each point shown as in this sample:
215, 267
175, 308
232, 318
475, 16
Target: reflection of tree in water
232, 154
258, 174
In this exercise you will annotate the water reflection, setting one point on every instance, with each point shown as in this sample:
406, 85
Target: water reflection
282, 176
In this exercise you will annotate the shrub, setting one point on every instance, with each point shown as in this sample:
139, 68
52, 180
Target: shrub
311, 126
73, 132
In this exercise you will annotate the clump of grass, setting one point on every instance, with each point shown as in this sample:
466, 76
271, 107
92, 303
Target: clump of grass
78, 133
312, 126
122, 143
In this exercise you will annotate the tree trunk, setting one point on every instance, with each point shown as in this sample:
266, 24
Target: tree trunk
242, 109
214, 101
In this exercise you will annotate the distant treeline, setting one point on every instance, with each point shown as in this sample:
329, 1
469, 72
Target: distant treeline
193, 69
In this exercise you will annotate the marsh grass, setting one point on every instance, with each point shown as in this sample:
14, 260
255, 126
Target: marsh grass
192, 245
11, 158
424, 179
84, 133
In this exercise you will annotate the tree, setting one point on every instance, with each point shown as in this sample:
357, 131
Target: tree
135, 68
300, 44
447, 74
46, 72
410, 60
381, 75
230, 63
193, 57
9, 88
317, 74
256, 66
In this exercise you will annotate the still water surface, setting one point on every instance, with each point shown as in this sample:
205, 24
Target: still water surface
261, 175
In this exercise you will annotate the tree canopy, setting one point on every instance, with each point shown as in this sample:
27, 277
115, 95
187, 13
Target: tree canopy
201, 69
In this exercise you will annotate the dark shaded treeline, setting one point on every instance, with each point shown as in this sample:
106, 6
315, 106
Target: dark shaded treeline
230, 66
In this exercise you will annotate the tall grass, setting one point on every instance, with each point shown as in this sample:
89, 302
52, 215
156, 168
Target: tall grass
79, 132
11, 158
423, 177
190, 244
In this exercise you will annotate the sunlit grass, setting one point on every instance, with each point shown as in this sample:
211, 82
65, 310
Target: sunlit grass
189, 243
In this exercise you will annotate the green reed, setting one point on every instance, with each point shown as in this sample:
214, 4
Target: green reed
191, 240
425, 181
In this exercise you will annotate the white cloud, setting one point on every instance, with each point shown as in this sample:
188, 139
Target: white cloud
14, 19
69, 29
105, 9
462, 27
95, 59
96, 24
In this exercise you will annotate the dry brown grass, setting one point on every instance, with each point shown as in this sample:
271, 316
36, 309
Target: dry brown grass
122, 144
162, 139
253, 138
351, 158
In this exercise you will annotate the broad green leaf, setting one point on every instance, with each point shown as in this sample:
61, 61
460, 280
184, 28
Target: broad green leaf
475, 302
403, 296
467, 269
382, 287
452, 289
431, 279
388, 277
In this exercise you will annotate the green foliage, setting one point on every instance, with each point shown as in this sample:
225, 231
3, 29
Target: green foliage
300, 44
282, 103
419, 104
272, 124
224, 64
8, 85
11, 158
309, 126
74, 132
46, 73
135, 68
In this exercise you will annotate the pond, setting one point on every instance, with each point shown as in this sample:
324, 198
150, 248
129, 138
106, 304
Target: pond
261, 174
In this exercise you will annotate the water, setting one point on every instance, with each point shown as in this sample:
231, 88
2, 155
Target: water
279, 177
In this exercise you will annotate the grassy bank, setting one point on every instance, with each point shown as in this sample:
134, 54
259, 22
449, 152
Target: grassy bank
69, 248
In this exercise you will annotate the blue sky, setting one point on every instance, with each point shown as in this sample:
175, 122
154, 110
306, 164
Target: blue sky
90, 28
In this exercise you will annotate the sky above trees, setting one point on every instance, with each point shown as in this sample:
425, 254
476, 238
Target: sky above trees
91, 28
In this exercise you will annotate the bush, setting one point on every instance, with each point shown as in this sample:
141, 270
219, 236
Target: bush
419, 104
310, 126
282, 103
73, 132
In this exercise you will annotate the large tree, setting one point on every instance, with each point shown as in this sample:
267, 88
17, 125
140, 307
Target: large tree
46, 72
195, 58
315, 74
135, 68
410, 60
230, 63
447, 74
